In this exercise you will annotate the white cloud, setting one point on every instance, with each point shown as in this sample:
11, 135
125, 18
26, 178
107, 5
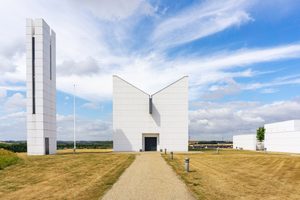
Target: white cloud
244, 57
200, 21
85, 129
226, 87
269, 91
201, 70
3, 93
14, 103
114, 10
82, 68
92, 106
222, 120
13, 87
15, 115
12, 126
94, 41
286, 80
85, 55
230, 87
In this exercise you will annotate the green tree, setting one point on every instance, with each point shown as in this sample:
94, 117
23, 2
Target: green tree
260, 134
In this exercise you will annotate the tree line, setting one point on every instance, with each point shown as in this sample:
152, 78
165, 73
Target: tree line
21, 146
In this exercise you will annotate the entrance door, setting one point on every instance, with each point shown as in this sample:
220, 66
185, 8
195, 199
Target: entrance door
150, 143
47, 146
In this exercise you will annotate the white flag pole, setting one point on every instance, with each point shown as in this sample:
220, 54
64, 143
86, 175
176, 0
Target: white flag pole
74, 122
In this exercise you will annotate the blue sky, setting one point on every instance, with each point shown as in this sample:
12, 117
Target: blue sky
242, 58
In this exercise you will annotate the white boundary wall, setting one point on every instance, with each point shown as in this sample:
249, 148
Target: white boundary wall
132, 120
246, 142
283, 136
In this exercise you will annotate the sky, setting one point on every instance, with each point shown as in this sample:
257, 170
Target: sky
242, 58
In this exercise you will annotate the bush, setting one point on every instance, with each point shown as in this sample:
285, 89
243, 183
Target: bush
21, 146
7, 158
85, 145
15, 147
260, 134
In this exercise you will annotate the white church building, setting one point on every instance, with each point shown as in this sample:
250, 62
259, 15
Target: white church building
144, 122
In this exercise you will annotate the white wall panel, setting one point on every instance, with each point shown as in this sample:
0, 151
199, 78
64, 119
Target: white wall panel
283, 142
285, 126
246, 142
283, 136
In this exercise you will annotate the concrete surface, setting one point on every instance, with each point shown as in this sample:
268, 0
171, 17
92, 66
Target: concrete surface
149, 177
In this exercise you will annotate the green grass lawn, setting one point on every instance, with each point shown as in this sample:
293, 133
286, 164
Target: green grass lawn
7, 158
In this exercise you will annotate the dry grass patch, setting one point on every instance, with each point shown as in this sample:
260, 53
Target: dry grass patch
240, 175
85, 175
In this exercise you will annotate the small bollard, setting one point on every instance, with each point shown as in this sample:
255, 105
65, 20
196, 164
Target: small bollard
172, 155
187, 164
165, 151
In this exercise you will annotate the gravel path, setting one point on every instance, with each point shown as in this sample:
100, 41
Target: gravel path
149, 177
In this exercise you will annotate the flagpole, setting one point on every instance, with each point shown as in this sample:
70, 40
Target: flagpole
74, 120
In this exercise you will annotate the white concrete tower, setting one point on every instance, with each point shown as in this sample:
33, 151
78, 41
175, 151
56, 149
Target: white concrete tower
41, 88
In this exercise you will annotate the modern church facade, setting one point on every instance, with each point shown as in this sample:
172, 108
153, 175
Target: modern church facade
144, 122
41, 88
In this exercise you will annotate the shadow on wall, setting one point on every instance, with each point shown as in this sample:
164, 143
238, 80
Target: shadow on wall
155, 115
121, 142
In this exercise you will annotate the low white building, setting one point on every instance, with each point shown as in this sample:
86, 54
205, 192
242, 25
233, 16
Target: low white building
150, 122
245, 142
283, 136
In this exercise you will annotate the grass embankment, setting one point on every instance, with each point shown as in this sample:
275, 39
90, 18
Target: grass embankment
235, 174
85, 175
7, 158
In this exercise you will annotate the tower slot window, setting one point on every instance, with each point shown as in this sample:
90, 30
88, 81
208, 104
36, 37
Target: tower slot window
33, 75
150, 105
50, 63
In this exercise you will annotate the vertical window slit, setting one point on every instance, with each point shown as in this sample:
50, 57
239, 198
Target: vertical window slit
150, 105
33, 75
50, 63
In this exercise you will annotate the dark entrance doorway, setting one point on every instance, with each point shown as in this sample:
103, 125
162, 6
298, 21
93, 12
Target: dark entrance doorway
46, 146
150, 143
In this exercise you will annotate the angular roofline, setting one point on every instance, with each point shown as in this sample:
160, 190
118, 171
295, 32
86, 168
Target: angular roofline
132, 85
169, 85
155, 92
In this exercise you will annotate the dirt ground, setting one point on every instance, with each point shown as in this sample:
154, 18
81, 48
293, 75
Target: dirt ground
85, 175
149, 178
233, 174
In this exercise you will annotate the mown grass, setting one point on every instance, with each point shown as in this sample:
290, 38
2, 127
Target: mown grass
233, 174
7, 158
88, 174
